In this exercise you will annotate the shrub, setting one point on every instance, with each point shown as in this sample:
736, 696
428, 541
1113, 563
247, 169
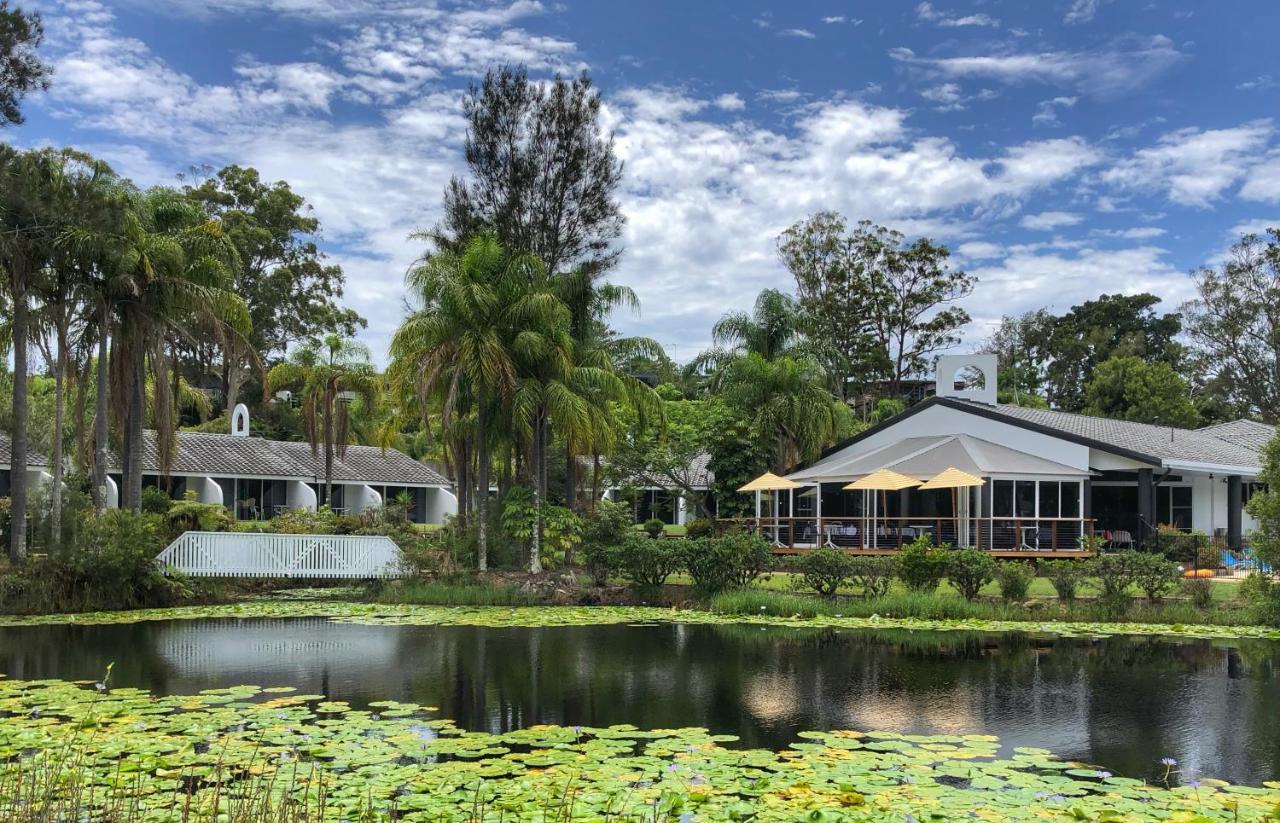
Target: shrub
648, 563
1262, 595
874, 575
305, 521
654, 527
921, 566
1154, 574
1115, 573
825, 570
603, 532
969, 570
1015, 580
1065, 575
700, 527
729, 562
155, 500
189, 514
1184, 547
1200, 590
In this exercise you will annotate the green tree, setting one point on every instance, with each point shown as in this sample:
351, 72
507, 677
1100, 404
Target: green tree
329, 374
1129, 388
1264, 508
21, 71
1234, 325
542, 173
674, 454
283, 277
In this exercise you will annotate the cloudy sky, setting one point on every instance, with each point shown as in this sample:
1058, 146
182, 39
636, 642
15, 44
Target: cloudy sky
1061, 148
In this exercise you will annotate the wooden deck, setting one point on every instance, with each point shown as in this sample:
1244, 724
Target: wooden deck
1009, 554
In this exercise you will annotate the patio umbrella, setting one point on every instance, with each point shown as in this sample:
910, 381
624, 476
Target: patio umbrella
769, 482
883, 481
954, 479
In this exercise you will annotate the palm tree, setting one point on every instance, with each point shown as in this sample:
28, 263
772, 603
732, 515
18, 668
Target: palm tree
329, 374
770, 330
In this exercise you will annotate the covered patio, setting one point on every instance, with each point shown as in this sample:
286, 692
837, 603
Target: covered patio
956, 489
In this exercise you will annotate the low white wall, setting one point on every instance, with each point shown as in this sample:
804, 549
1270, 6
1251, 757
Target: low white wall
359, 498
441, 503
207, 489
299, 495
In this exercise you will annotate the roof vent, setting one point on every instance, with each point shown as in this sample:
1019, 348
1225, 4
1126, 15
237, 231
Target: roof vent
968, 377
240, 421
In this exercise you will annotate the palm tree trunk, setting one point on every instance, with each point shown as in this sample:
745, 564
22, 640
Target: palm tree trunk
539, 493
328, 450
570, 478
18, 463
482, 489
100, 415
136, 414
59, 414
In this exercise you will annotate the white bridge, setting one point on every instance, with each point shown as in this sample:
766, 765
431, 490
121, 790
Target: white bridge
246, 554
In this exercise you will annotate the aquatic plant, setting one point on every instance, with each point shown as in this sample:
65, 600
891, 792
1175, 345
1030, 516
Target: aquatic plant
73, 751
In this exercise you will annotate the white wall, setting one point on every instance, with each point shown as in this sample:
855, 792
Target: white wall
358, 498
207, 489
299, 495
440, 504
1209, 504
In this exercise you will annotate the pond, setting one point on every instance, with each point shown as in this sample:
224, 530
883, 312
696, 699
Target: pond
1121, 703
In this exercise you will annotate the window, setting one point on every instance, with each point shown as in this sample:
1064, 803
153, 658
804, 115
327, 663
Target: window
1031, 499
1002, 498
1050, 492
1173, 506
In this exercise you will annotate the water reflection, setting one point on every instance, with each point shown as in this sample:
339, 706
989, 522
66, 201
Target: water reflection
1122, 703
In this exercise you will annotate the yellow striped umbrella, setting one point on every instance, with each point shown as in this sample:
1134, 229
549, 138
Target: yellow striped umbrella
883, 480
769, 482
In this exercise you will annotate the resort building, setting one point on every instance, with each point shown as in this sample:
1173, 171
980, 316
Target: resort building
654, 497
256, 478
1016, 479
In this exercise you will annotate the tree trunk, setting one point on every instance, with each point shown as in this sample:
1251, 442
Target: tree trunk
232, 379
100, 454
482, 489
570, 478
136, 414
18, 464
328, 451
539, 494
59, 414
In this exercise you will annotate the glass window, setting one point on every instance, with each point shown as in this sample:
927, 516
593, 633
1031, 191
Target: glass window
1070, 497
1002, 498
1024, 498
1049, 498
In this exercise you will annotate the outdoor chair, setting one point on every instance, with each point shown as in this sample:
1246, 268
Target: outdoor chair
1122, 539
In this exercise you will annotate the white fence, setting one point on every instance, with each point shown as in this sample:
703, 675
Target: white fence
236, 554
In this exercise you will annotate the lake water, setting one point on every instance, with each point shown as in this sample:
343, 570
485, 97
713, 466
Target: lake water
1121, 703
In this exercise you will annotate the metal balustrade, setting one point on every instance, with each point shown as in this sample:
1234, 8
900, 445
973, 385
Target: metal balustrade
238, 554
1001, 535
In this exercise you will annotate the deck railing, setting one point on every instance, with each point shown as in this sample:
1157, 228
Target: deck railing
1000, 534
240, 554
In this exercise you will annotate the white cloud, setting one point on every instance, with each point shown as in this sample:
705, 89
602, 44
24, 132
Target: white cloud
927, 12
801, 33
1124, 65
980, 250
1262, 82
1081, 11
1047, 112
1050, 220
950, 97
1137, 233
1263, 180
840, 18
1193, 167
730, 102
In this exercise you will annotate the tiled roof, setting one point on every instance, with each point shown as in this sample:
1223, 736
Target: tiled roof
1163, 443
1247, 433
225, 454
6, 454
700, 474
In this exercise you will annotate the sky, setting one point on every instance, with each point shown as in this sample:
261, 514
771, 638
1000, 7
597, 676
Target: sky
1061, 149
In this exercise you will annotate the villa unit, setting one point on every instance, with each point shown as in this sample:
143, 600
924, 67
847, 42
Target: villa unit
257, 479
655, 497
970, 471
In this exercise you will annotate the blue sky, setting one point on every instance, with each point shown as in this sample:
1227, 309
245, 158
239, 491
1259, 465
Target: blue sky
1061, 148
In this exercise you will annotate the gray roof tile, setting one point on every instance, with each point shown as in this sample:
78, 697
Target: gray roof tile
34, 458
1247, 433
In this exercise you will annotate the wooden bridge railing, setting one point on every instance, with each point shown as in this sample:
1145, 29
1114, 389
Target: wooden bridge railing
240, 554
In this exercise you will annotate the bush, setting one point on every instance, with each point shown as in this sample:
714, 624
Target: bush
654, 527
700, 527
648, 563
189, 514
1262, 596
155, 500
1114, 573
1065, 575
1015, 580
874, 575
969, 570
305, 521
825, 570
1200, 590
603, 533
1154, 574
921, 566
729, 562
1185, 547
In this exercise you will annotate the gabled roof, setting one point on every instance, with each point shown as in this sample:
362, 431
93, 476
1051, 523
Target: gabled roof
225, 454
1249, 434
1143, 442
6, 454
700, 475
925, 457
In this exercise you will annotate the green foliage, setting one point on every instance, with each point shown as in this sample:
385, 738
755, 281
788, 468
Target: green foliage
1192, 548
21, 32
647, 563
1015, 580
730, 561
561, 528
155, 500
1129, 388
1262, 595
1200, 590
921, 566
654, 527
1116, 574
887, 408
824, 570
190, 514
1264, 507
304, 521
1065, 575
874, 574
968, 570
444, 593
603, 533
700, 527
1154, 574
